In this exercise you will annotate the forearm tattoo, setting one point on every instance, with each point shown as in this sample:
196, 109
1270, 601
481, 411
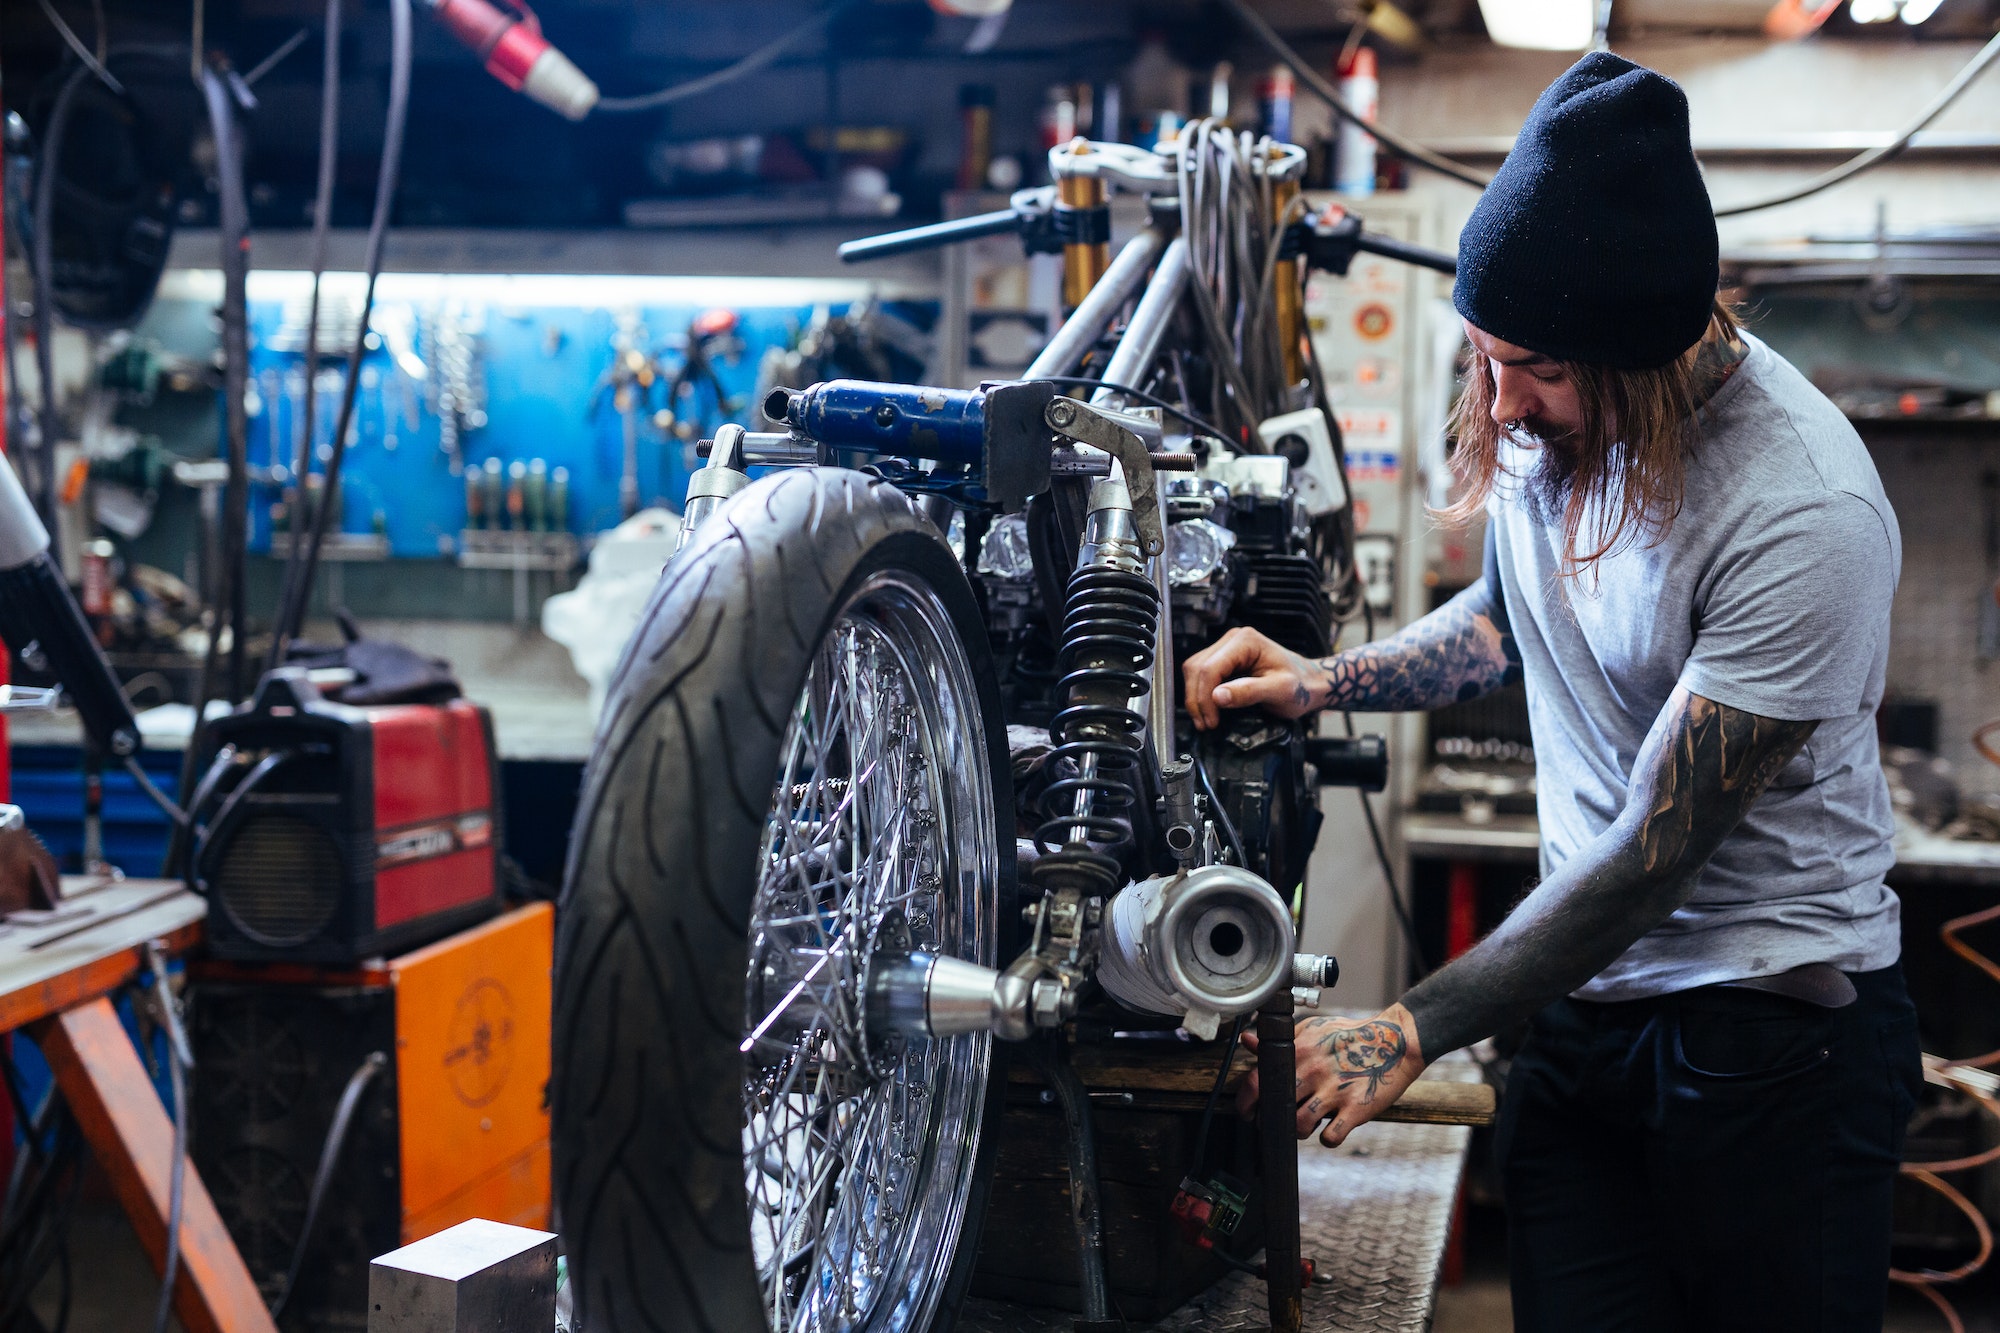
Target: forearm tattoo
1454, 654
1701, 769
1729, 754
1369, 1051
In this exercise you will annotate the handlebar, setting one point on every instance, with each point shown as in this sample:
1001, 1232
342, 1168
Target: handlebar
932, 236
1420, 255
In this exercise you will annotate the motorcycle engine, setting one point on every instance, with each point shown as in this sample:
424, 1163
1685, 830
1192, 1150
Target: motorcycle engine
1241, 550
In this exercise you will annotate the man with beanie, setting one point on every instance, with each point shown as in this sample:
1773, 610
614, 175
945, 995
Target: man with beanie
1690, 562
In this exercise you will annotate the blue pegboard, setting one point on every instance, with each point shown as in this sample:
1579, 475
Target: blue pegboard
544, 370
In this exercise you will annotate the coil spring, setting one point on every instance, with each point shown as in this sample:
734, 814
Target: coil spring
1107, 648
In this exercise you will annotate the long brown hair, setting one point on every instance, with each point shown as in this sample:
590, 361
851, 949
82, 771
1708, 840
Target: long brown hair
1624, 469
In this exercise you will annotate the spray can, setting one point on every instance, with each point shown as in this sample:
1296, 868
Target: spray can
517, 499
975, 152
559, 500
536, 494
494, 506
1275, 92
1354, 163
97, 557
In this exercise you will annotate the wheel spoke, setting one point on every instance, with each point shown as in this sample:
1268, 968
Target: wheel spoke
855, 1199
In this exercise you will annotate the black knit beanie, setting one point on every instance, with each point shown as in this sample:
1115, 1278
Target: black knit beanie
1595, 242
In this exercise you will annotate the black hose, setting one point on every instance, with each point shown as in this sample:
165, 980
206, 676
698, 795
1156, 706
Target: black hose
234, 229
1403, 918
1327, 93
176, 1189
252, 780
1861, 162
1215, 1095
152, 791
329, 1157
1221, 813
329, 152
299, 594
48, 161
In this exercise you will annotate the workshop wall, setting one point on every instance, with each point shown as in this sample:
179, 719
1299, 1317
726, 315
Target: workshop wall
1945, 485
1742, 92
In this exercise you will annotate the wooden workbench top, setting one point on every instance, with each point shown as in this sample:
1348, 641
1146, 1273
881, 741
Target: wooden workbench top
90, 945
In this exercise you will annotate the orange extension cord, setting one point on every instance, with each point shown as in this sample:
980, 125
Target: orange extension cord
1967, 1076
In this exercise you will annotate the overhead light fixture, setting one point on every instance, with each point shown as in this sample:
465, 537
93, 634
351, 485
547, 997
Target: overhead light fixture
1872, 11
1916, 11
1542, 25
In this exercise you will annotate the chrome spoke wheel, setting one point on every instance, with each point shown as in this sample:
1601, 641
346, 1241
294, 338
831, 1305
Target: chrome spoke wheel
859, 1148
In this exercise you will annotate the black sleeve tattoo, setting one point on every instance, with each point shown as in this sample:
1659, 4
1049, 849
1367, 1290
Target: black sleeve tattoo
1701, 769
1454, 654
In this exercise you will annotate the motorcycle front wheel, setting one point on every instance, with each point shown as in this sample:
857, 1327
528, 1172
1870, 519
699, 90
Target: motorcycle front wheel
802, 762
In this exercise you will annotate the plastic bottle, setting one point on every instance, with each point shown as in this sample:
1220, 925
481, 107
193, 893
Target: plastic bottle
1354, 162
1275, 93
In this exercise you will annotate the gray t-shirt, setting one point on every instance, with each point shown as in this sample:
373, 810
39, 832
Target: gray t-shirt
1770, 593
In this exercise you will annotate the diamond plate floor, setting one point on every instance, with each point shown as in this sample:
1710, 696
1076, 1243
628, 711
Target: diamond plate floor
1375, 1215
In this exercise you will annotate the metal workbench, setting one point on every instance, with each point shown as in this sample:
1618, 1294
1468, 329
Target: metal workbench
1375, 1214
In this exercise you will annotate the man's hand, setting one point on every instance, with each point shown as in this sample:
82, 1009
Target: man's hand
1243, 668
1349, 1071
1454, 654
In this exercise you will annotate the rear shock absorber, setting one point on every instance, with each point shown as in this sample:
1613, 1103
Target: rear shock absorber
1107, 648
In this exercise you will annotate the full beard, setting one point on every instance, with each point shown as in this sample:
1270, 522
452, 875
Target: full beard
1558, 465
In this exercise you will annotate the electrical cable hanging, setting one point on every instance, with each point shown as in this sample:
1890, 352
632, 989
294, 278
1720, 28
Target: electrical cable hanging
1327, 93
83, 53
329, 1158
48, 161
270, 62
233, 227
1854, 166
1458, 171
329, 150
163, 999
749, 64
299, 593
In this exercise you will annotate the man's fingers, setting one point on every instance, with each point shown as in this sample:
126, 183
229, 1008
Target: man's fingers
1335, 1133
1313, 1109
1235, 651
1283, 692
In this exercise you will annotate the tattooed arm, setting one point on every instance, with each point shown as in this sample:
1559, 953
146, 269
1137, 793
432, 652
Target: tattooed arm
1700, 770
1455, 653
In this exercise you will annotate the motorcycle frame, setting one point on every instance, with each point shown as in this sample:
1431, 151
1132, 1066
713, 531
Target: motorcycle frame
1150, 276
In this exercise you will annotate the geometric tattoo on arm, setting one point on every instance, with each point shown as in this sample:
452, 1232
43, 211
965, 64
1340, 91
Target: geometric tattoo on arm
1453, 655
1701, 769
1716, 762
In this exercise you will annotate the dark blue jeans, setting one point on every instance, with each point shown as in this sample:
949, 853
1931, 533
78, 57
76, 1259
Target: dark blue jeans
1714, 1160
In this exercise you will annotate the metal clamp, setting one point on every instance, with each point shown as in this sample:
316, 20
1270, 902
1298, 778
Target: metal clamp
1108, 431
711, 485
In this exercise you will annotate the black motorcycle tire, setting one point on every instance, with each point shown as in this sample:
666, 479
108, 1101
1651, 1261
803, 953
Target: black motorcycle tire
651, 949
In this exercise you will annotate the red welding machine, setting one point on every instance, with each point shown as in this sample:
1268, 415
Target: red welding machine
328, 834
